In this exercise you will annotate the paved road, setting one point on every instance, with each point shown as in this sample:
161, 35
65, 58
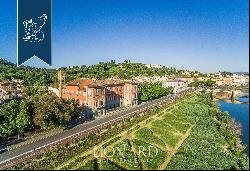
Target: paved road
24, 150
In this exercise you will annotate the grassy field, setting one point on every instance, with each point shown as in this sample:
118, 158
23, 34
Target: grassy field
149, 144
170, 138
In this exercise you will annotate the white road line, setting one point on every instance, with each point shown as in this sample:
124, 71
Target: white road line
54, 142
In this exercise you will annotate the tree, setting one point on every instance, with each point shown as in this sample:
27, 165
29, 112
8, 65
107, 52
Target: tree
233, 97
51, 111
23, 119
210, 83
8, 114
196, 83
212, 95
150, 91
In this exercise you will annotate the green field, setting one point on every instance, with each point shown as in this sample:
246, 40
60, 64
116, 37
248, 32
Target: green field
185, 136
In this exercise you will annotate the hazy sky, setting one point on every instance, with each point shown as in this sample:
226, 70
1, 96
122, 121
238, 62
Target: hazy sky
205, 35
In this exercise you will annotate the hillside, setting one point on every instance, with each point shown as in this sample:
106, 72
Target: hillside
103, 70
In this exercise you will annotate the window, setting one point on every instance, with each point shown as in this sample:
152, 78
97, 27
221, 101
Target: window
135, 88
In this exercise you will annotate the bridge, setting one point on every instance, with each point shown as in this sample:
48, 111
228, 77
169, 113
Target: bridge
226, 94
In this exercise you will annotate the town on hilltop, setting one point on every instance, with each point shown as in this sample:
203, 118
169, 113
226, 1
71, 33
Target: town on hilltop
42, 106
100, 95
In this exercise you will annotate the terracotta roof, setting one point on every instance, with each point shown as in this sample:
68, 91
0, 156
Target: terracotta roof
98, 83
106, 83
8, 88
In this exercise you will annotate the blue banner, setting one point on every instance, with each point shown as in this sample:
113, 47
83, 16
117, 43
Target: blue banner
34, 30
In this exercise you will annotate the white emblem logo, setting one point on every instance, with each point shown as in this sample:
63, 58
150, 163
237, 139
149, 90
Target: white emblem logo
33, 28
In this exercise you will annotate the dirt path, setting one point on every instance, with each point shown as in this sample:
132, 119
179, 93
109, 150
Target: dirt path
122, 134
128, 135
178, 145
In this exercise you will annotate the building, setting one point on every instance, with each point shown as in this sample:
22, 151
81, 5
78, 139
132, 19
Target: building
186, 79
239, 80
18, 81
177, 84
96, 96
218, 81
231, 80
151, 79
8, 92
228, 81
54, 90
246, 77
154, 66
186, 73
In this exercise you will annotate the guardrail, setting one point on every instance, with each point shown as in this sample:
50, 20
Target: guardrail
24, 156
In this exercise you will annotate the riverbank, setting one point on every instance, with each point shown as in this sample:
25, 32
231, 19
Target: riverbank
240, 112
236, 101
214, 144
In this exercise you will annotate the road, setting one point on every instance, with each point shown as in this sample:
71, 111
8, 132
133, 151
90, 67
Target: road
22, 151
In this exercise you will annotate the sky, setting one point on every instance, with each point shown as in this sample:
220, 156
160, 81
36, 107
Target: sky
204, 35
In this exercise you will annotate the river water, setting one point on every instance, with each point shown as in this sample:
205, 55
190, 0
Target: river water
241, 114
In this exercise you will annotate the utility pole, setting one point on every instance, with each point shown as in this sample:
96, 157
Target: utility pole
61, 77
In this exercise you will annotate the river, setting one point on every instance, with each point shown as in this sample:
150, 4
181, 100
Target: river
241, 114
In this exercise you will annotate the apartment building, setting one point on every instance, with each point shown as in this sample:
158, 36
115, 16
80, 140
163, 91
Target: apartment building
177, 84
96, 96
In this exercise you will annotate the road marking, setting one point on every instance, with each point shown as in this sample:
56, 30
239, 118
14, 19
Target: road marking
54, 142
110, 121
